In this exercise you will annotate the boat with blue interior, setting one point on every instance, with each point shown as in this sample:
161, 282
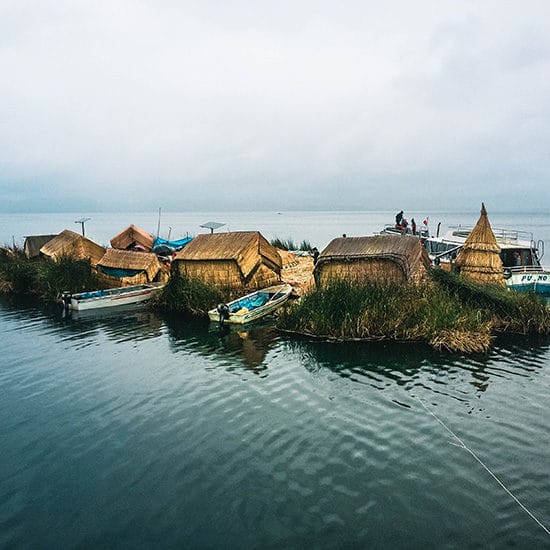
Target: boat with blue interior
253, 306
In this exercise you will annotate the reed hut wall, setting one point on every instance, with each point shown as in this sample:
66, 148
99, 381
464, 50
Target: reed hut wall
34, 243
241, 259
149, 268
132, 236
380, 259
69, 243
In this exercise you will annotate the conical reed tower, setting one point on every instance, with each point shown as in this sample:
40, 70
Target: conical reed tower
479, 258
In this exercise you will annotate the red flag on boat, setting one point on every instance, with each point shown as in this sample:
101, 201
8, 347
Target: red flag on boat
425, 222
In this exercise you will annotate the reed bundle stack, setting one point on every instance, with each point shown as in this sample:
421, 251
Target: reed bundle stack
479, 258
133, 237
124, 267
234, 260
71, 244
376, 259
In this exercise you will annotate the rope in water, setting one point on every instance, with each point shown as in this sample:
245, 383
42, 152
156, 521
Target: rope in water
463, 446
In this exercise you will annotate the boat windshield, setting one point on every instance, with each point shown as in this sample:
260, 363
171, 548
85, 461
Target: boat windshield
438, 248
517, 257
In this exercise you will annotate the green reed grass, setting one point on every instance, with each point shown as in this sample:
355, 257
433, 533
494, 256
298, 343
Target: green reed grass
187, 295
289, 244
283, 244
452, 313
46, 279
348, 310
525, 313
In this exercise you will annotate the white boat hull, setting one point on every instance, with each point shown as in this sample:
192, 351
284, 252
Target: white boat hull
530, 281
112, 297
280, 294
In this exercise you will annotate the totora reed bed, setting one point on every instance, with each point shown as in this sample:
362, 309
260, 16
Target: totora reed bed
446, 313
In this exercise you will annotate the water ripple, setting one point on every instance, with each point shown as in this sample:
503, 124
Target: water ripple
136, 429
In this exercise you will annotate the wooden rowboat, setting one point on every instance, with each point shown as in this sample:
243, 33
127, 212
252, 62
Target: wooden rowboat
253, 306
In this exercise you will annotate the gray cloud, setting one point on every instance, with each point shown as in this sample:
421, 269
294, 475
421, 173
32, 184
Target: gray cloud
288, 105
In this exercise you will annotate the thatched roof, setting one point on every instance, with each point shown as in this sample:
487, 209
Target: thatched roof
69, 243
234, 246
407, 252
130, 260
132, 236
33, 244
479, 257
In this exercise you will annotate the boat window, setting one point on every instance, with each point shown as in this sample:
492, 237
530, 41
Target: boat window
518, 257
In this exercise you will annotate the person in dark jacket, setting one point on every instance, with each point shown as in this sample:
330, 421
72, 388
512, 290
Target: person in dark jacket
398, 219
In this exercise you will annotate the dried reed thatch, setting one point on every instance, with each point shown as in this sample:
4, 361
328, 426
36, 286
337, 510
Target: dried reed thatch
131, 237
380, 258
235, 260
33, 244
479, 258
122, 267
69, 243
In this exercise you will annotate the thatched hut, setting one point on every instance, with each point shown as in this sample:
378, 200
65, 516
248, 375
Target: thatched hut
380, 258
236, 260
479, 258
69, 243
33, 244
123, 267
133, 237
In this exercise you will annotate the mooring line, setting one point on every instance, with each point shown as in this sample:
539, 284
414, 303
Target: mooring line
463, 446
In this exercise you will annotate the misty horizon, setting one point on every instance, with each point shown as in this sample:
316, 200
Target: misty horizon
310, 106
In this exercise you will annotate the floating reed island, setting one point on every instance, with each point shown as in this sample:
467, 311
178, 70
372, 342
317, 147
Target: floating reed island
444, 311
382, 287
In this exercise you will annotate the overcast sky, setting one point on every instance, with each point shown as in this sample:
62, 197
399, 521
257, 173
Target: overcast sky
129, 105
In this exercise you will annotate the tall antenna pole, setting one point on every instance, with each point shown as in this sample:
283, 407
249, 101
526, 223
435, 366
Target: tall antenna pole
158, 227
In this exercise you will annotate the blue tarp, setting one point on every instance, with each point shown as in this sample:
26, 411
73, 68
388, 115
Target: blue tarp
117, 272
174, 245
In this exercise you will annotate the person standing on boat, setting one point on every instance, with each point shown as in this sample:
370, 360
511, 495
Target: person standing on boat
398, 220
413, 226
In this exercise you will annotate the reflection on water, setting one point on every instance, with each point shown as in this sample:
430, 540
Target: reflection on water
235, 345
118, 324
377, 363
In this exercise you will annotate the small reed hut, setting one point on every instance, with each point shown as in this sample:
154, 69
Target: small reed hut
133, 237
123, 267
69, 243
479, 258
34, 243
236, 260
379, 259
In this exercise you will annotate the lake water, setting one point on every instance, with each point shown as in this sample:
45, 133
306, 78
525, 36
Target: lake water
316, 227
133, 429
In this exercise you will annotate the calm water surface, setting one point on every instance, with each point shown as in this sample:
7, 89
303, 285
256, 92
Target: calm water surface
136, 430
